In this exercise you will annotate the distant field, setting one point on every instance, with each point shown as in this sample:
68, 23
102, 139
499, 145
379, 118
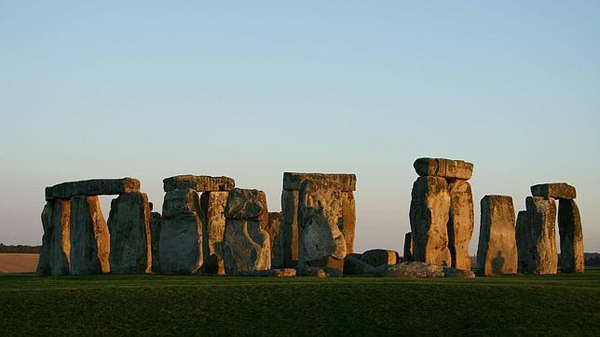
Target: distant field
18, 263
183, 305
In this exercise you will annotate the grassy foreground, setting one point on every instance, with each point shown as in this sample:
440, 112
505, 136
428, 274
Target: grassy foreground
183, 305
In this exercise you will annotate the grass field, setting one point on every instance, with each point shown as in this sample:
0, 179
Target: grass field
154, 304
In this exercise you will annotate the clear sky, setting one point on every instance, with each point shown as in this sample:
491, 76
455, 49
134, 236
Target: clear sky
250, 89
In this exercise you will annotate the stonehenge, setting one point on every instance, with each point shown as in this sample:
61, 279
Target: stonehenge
210, 227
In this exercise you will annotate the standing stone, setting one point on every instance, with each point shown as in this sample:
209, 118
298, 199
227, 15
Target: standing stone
445, 168
554, 190
213, 208
59, 248
321, 240
461, 223
43, 267
525, 255
348, 219
378, 257
497, 250
180, 247
90, 239
130, 235
289, 227
408, 247
276, 238
429, 213
92, 187
541, 235
246, 247
155, 225
572, 259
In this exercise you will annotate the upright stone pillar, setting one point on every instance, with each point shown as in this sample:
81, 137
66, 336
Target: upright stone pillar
274, 229
90, 239
540, 233
461, 223
572, 259
55, 254
408, 248
130, 234
525, 255
497, 250
155, 225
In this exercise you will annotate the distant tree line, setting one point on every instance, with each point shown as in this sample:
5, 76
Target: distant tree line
19, 249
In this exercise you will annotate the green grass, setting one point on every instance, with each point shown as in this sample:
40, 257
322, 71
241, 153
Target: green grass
184, 305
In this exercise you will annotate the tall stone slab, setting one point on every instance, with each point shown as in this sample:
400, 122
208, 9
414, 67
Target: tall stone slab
461, 223
572, 259
348, 219
276, 238
429, 214
289, 227
246, 247
524, 248
44, 260
180, 248
321, 239
58, 216
497, 250
155, 225
213, 208
541, 235
408, 247
90, 239
130, 234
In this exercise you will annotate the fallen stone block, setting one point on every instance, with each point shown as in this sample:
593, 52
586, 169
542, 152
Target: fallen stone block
354, 266
92, 187
378, 257
409, 270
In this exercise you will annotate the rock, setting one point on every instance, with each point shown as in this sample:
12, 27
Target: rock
198, 183
245, 204
572, 257
460, 223
541, 235
354, 255
497, 250
429, 213
180, 247
92, 187
348, 219
289, 227
130, 235
378, 257
276, 238
90, 239
524, 253
213, 208
282, 272
55, 253
155, 225
354, 266
410, 270
460, 273
246, 247
554, 190
446, 168
321, 241
408, 247
345, 182
214, 265
322, 272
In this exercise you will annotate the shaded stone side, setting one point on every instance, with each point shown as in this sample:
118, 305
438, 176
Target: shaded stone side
92, 187
90, 239
442, 167
378, 257
213, 208
554, 190
408, 247
429, 213
497, 249
289, 227
44, 260
59, 249
572, 259
155, 225
321, 240
460, 223
130, 235
541, 235
180, 247
198, 183
276, 239
524, 253
246, 247
348, 219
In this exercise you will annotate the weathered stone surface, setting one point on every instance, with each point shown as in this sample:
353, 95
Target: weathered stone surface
55, 254
155, 225
378, 257
524, 253
410, 270
456, 272
345, 182
92, 187
130, 235
321, 241
276, 238
282, 272
460, 223
245, 204
246, 247
429, 213
497, 249
442, 167
90, 239
348, 219
198, 183
541, 235
213, 208
408, 248
571, 237
554, 190
180, 248
355, 255
289, 227
354, 266
322, 272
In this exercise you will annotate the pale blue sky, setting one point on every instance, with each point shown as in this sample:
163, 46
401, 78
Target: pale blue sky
151, 89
